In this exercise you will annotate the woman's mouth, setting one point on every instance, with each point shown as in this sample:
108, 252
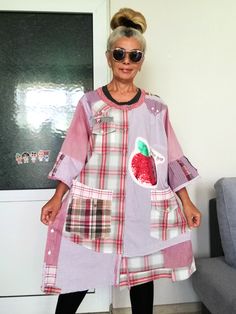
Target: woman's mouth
124, 70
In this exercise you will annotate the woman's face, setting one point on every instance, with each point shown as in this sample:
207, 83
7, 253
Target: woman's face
125, 70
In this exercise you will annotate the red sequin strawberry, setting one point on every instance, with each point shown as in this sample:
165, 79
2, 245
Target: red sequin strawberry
143, 163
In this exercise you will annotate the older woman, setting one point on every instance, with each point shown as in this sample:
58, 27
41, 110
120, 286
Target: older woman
121, 223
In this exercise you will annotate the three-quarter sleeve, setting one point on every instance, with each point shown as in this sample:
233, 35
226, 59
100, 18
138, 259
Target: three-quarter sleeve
180, 171
73, 154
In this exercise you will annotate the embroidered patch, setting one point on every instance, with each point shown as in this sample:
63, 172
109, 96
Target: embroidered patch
153, 104
102, 119
143, 162
102, 123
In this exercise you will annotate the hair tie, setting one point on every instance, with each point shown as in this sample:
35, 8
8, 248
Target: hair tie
128, 23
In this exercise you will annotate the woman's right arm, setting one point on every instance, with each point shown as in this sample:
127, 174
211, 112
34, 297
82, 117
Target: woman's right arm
52, 207
71, 159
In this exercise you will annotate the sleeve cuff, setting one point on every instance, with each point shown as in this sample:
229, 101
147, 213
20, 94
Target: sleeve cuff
65, 169
181, 173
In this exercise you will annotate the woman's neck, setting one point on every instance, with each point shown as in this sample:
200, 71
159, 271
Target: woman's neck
122, 91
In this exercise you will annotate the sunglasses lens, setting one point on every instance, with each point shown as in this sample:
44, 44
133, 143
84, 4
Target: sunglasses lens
118, 54
135, 55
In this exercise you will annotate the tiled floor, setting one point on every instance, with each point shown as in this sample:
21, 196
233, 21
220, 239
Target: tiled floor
127, 311
185, 308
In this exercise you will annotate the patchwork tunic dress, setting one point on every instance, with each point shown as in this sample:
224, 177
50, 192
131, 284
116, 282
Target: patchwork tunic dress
120, 223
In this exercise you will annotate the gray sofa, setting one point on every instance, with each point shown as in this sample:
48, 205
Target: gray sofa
215, 278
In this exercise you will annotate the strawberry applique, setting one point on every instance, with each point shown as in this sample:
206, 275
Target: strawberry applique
143, 163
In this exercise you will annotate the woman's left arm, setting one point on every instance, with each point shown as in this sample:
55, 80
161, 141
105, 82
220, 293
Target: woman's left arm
192, 214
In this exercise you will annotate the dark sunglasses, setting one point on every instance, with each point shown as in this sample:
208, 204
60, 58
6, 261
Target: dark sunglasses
119, 54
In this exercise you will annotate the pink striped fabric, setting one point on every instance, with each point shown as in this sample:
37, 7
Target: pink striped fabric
181, 171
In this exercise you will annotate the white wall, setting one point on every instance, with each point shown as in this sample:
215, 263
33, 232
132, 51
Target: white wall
191, 64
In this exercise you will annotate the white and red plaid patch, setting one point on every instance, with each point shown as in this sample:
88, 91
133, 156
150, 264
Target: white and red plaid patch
149, 270
167, 219
49, 280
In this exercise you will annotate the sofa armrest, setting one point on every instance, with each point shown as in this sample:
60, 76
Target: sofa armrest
215, 240
214, 282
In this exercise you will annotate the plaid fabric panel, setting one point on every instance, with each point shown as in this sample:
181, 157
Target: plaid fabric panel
142, 264
133, 279
167, 219
129, 277
79, 190
89, 218
49, 280
106, 169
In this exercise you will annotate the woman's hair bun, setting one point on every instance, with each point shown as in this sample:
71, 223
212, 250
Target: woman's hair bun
129, 18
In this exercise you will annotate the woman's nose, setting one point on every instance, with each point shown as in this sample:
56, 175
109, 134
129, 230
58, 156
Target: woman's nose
126, 59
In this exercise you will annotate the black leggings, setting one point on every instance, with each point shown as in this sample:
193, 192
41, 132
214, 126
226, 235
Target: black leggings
141, 298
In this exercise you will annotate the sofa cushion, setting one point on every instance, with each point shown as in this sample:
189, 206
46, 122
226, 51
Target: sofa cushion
214, 283
226, 213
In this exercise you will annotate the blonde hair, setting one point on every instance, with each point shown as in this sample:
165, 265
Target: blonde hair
127, 23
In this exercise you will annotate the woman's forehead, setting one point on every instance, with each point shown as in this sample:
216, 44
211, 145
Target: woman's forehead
127, 43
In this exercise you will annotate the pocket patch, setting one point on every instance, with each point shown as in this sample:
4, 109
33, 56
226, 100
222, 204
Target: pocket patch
89, 212
167, 218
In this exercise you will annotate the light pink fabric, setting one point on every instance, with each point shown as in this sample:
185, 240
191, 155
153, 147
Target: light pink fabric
174, 148
77, 139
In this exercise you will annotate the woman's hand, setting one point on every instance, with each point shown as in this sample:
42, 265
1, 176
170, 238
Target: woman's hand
192, 214
51, 208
